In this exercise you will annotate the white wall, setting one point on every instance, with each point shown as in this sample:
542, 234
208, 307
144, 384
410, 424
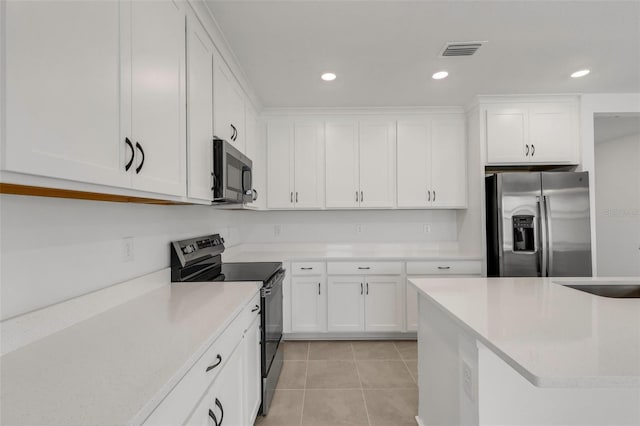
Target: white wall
55, 249
589, 106
341, 226
617, 183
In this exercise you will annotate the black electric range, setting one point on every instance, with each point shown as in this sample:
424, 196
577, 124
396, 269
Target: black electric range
199, 260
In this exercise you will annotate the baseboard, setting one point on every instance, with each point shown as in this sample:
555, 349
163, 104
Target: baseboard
351, 336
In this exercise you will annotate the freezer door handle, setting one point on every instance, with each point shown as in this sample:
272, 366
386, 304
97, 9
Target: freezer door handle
549, 246
542, 232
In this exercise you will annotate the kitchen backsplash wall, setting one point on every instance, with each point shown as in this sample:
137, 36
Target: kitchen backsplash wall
56, 249
346, 226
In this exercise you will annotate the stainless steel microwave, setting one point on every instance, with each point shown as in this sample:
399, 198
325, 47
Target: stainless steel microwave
231, 175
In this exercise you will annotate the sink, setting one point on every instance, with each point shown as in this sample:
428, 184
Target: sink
619, 291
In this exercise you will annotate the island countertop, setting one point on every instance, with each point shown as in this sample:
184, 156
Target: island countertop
553, 335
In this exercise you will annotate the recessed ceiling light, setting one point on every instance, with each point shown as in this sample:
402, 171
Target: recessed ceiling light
440, 75
580, 73
328, 76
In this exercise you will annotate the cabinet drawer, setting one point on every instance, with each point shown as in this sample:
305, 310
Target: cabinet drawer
307, 268
364, 268
250, 312
177, 406
445, 267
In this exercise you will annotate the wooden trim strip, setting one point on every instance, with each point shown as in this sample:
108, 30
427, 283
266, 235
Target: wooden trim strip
37, 191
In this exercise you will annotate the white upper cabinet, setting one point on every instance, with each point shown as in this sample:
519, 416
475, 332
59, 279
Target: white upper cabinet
532, 133
228, 105
256, 151
448, 162
200, 111
341, 172
360, 164
432, 163
377, 164
308, 162
96, 93
62, 91
294, 164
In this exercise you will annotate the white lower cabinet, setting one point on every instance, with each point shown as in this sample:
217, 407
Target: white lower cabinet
223, 401
308, 313
224, 385
364, 303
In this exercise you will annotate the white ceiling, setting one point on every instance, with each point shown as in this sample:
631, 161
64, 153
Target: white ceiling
384, 52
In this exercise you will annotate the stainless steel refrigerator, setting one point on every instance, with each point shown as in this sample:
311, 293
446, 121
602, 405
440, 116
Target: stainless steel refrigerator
538, 224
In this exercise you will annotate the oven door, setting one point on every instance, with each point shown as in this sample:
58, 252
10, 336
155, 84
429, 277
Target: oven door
271, 319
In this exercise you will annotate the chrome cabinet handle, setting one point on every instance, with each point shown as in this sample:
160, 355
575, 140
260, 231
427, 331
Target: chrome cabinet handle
527, 154
533, 150
364, 267
143, 156
444, 267
130, 145
215, 364
306, 269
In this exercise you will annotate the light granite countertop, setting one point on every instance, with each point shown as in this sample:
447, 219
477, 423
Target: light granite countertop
553, 335
115, 367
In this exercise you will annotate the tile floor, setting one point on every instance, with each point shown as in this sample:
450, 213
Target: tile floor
336, 383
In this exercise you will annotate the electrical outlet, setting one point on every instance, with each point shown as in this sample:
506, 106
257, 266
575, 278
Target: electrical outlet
276, 230
127, 249
426, 228
358, 228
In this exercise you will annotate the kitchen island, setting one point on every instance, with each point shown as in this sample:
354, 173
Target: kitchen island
526, 351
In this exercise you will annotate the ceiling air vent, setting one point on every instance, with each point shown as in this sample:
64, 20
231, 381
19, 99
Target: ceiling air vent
465, 48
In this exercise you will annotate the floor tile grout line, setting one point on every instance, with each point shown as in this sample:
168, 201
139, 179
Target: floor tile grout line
404, 361
364, 398
304, 390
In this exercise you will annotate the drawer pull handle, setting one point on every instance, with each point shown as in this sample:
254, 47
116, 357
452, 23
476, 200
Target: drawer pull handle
306, 269
364, 267
257, 308
444, 267
217, 363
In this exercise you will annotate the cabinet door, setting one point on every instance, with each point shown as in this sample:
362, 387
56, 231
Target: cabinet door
507, 134
412, 306
252, 373
62, 91
377, 164
414, 160
228, 105
308, 304
383, 303
226, 395
200, 111
345, 303
553, 133
341, 172
256, 150
448, 163
158, 96
308, 165
280, 165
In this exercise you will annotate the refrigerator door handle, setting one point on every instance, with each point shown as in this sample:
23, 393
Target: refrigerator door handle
542, 231
549, 236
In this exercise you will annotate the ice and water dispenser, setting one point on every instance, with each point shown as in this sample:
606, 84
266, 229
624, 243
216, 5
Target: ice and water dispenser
523, 233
